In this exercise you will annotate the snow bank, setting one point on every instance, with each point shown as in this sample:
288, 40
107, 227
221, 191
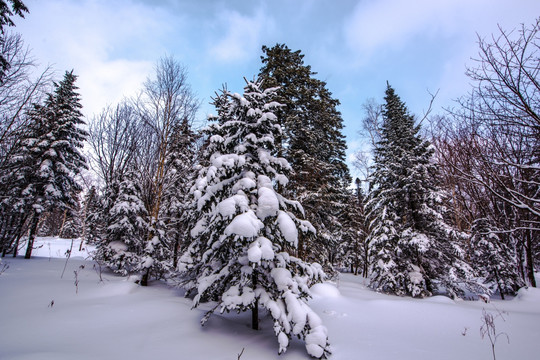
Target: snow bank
528, 294
325, 290
55, 247
117, 319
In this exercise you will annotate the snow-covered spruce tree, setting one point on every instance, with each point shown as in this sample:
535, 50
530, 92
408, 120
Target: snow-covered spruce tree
51, 153
92, 219
353, 248
246, 230
413, 250
180, 176
313, 143
123, 246
493, 259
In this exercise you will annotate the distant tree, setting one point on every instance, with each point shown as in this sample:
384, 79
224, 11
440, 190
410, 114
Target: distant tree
50, 156
180, 177
164, 104
313, 143
413, 250
122, 249
114, 138
247, 231
493, 259
93, 226
72, 223
353, 250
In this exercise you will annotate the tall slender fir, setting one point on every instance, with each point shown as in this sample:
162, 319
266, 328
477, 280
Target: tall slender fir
313, 143
413, 250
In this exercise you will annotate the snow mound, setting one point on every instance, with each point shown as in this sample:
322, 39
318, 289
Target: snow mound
440, 299
528, 294
117, 289
325, 290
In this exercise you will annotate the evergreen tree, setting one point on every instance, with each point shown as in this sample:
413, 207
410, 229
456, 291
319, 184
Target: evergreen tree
180, 177
93, 228
50, 157
313, 143
413, 251
123, 248
72, 227
493, 259
353, 250
246, 229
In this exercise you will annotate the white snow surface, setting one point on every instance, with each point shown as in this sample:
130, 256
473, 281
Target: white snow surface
118, 319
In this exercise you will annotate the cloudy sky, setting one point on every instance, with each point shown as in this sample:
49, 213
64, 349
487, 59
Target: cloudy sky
419, 46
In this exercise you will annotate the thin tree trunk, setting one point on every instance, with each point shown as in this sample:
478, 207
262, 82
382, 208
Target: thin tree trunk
16, 245
498, 283
530, 261
63, 224
255, 306
144, 277
32, 234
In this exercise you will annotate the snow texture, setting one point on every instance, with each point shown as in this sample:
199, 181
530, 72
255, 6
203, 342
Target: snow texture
246, 225
362, 324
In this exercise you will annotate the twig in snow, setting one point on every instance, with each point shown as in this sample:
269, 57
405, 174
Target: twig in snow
76, 272
68, 252
488, 328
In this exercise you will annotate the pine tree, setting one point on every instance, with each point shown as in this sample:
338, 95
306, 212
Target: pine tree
92, 227
353, 249
413, 251
180, 177
313, 143
50, 155
122, 248
246, 229
493, 259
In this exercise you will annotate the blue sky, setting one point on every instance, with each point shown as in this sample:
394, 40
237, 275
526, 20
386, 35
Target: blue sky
419, 46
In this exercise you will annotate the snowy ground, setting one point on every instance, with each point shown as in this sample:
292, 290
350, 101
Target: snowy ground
117, 319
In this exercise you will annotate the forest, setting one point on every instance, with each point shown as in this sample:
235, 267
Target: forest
252, 210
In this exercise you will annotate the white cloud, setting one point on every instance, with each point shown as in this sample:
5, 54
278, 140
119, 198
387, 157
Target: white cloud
111, 46
242, 37
105, 83
394, 24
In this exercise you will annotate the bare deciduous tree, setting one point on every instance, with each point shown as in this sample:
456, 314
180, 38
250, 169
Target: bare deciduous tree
492, 145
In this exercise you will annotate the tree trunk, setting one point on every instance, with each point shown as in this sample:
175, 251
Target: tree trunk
530, 261
144, 278
16, 245
498, 283
63, 224
32, 234
255, 306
